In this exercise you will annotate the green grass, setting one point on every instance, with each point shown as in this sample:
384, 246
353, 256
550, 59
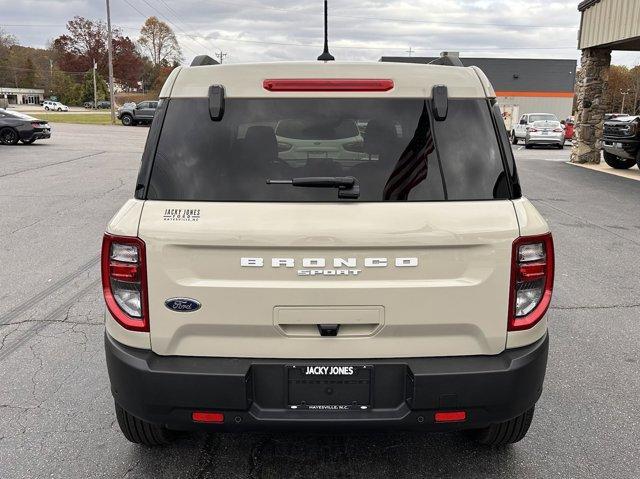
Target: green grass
79, 118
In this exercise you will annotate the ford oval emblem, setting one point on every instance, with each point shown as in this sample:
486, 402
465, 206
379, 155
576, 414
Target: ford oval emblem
182, 305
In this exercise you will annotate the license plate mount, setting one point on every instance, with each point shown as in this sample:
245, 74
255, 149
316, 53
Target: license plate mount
329, 387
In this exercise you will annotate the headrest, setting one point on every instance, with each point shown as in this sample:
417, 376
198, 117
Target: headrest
379, 134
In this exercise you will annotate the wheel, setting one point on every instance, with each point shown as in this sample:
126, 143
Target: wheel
59, 109
561, 145
9, 136
527, 145
508, 432
141, 432
28, 142
514, 138
616, 162
127, 120
46, 108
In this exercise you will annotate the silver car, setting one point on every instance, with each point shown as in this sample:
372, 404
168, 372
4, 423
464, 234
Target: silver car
545, 133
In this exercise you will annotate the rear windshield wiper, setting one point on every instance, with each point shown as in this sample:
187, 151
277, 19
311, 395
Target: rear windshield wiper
348, 187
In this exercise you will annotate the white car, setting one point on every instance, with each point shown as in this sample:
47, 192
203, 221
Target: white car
54, 106
298, 140
545, 133
246, 290
519, 132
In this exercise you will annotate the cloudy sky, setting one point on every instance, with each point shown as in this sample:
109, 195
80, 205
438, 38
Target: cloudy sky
271, 30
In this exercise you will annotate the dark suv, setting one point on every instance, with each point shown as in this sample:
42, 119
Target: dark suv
621, 142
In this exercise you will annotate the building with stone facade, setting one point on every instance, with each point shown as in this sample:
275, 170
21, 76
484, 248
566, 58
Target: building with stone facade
606, 25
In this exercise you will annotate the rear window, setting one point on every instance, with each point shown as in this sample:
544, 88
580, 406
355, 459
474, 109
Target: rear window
549, 117
393, 147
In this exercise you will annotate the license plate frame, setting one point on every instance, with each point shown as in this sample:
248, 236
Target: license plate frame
310, 389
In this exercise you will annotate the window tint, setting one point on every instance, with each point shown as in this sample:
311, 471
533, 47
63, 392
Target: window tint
392, 147
317, 130
143, 104
469, 152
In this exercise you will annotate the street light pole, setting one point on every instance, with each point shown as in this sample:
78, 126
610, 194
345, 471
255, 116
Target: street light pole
95, 87
110, 49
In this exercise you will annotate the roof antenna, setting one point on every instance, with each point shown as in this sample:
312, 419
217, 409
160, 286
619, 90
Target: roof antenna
326, 56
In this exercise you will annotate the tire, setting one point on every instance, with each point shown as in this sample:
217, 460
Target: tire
46, 108
504, 433
9, 136
561, 146
59, 109
141, 432
616, 162
527, 145
28, 142
127, 120
514, 138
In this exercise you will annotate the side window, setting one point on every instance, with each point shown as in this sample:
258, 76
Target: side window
143, 104
469, 152
153, 104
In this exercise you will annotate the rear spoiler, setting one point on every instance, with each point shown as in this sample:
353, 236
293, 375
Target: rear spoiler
203, 60
450, 59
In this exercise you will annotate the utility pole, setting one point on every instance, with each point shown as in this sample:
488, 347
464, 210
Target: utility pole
624, 97
221, 56
95, 87
110, 48
410, 51
50, 76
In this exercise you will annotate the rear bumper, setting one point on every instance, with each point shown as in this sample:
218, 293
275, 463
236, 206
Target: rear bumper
252, 394
545, 140
28, 135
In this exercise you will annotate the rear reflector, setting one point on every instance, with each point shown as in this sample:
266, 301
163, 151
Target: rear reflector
328, 84
450, 416
208, 417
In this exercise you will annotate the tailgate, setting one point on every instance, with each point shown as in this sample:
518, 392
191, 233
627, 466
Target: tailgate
399, 279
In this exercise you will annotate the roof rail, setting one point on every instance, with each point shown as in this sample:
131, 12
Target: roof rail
202, 60
451, 59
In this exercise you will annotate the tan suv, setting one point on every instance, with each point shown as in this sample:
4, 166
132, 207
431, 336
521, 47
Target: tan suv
250, 286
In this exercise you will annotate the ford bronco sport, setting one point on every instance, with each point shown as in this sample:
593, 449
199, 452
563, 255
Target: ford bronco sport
252, 285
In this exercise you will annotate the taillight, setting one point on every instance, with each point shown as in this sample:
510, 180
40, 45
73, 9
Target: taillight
558, 130
532, 130
284, 146
124, 281
356, 146
532, 273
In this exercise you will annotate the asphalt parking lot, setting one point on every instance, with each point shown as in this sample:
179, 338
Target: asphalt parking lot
56, 411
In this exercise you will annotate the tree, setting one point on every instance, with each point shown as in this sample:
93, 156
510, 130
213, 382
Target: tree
159, 43
102, 89
27, 74
620, 80
6, 40
127, 64
85, 42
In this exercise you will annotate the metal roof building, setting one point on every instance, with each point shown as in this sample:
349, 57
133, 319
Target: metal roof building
523, 85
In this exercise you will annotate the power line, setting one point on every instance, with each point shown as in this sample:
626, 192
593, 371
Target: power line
176, 26
362, 47
181, 20
399, 20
